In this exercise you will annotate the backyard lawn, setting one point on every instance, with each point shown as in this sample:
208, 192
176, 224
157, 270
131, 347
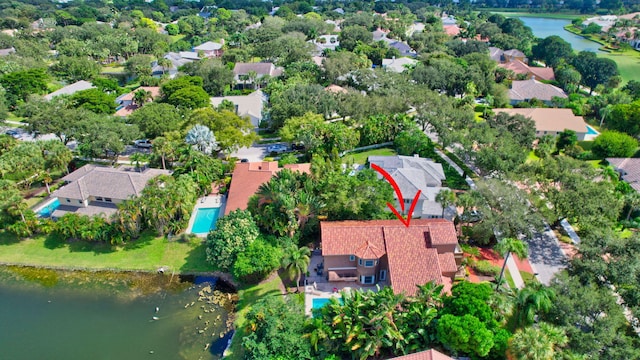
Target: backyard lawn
628, 64
361, 157
147, 253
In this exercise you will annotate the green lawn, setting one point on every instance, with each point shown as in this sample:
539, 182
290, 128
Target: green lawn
249, 295
361, 157
112, 70
628, 64
567, 16
532, 156
147, 253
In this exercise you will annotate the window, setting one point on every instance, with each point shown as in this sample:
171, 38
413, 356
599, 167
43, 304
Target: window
368, 279
352, 258
68, 200
360, 262
79, 201
107, 199
383, 275
369, 263
98, 198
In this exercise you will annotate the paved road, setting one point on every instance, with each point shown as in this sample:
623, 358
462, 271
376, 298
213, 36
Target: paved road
545, 255
256, 152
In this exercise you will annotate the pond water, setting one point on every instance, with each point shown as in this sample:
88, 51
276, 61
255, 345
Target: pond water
543, 28
48, 314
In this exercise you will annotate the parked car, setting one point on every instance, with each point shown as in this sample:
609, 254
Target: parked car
277, 148
13, 132
244, 160
144, 143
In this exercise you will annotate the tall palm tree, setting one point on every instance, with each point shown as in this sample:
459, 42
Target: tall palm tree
141, 96
633, 201
507, 246
165, 64
446, 198
536, 343
297, 259
530, 301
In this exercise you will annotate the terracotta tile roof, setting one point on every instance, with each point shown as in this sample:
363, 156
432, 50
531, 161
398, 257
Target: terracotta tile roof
519, 67
247, 178
154, 90
424, 355
451, 30
412, 258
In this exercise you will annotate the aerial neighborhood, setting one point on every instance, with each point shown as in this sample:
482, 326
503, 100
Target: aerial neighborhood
324, 179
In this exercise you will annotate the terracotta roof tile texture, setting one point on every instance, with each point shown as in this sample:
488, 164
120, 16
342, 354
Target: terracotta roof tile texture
424, 355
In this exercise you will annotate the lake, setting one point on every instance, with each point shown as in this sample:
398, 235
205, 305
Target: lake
543, 28
47, 314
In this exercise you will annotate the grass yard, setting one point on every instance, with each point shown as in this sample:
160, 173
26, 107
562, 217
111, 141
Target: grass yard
515, 13
361, 157
628, 64
532, 156
147, 253
112, 70
249, 295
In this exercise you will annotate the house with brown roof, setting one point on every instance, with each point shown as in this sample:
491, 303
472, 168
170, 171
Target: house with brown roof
551, 121
96, 189
531, 72
385, 252
247, 178
424, 355
629, 169
502, 56
125, 102
526, 90
242, 71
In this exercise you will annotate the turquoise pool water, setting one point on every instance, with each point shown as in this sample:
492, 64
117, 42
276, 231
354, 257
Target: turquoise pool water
50, 208
205, 220
317, 303
591, 131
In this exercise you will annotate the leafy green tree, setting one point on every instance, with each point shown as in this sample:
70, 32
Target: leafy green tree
56, 155
273, 330
530, 301
411, 140
257, 261
22, 163
203, 169
350, 36
625, 118
168, 201
552, 50
216, 77
233, 234
319, 136
139, 65
566, 139
190, 97
94, 100
594, 70
231, 130
155, 119
105, 136
612, 143
465, 334
297, 260
75, 68
20, 84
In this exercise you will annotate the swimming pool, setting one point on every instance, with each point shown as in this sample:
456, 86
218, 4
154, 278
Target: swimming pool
591, 131
47, 210
205, 220
317, 303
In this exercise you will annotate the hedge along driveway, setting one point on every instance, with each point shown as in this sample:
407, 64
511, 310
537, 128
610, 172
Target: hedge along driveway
146, 254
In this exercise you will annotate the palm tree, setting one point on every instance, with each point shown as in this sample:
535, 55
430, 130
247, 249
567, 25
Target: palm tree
202, 138
165, 64
507, 246
530, 301
536, 343
141, 96
137, 158
46, 179
162, 147
307, 207
298, 260
446, 198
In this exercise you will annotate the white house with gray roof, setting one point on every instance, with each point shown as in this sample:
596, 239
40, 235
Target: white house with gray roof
413, 173
96, 189
250, 105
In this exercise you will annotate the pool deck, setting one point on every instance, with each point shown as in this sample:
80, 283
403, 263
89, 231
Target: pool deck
210, 201
591, 137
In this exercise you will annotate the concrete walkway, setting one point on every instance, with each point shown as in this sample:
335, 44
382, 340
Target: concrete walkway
515, 273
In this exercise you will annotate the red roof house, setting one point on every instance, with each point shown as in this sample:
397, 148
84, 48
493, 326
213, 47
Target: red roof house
388, 253
424, 355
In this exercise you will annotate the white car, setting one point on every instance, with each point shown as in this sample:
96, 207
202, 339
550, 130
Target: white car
277, 148
144, 143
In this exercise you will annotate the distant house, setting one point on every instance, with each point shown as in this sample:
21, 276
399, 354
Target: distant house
386, 252
398, 65
451, 30
177, 60
242, 71
629, 169
324, 42
125, 102
533, 89
379, 34
549, 121
403, 48
520, 68
7, 52
424, 355
71, 89
246, 105
502, 56
413, 173
209, 49
247, 178
95, 189
604, 21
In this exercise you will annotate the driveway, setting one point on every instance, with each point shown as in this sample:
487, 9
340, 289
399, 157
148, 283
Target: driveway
545, 255
256, 152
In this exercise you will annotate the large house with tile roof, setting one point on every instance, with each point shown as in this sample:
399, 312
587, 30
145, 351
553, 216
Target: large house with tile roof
247, 178
104, 187
527, 90
531, 72
385, 252
241, 72
125, 101
551, 121
250, 106
424, 355
413, 173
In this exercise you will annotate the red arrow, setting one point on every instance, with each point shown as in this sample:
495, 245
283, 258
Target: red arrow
395, 186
